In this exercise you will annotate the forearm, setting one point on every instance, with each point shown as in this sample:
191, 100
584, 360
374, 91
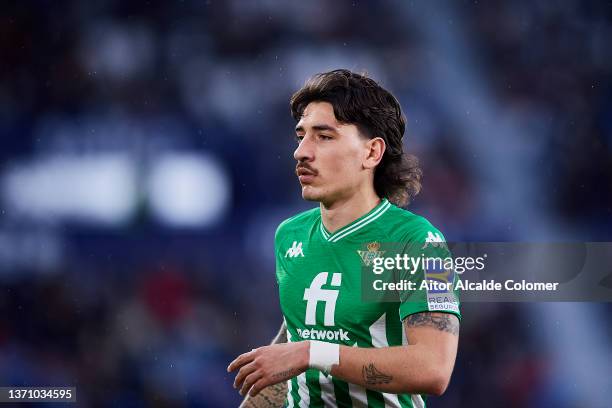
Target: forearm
424, 366
414, 369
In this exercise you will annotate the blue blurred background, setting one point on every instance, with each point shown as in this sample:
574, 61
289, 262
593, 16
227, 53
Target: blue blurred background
147, 159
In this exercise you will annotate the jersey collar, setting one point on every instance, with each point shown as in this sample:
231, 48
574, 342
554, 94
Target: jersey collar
356, 225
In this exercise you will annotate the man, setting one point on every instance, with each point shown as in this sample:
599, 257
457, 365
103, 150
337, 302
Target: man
334, 348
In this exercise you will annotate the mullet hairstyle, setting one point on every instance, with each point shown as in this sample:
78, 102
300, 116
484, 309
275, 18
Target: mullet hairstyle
360, 101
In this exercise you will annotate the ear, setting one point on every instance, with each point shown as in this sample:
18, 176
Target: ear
375, 148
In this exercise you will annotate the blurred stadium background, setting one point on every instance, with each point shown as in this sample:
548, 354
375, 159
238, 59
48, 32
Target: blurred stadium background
147, 159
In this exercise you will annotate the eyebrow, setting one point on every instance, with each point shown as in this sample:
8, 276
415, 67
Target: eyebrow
319, 128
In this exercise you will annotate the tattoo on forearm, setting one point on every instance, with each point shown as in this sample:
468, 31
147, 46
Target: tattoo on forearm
441, 321
270, 397
373, 376
273, 395
283, 374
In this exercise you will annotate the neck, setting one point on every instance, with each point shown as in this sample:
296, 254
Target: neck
342, 212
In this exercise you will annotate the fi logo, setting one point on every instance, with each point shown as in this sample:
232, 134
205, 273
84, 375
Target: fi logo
315, 294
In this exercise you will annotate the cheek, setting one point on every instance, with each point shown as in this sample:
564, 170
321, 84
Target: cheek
346, 165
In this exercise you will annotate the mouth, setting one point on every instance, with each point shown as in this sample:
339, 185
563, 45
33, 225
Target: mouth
306, 176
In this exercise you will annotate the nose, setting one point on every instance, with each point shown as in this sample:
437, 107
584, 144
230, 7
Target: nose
305, 150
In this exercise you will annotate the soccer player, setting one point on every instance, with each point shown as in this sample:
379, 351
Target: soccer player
334, 348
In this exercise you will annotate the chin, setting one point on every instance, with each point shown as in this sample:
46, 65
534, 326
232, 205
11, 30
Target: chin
310, 193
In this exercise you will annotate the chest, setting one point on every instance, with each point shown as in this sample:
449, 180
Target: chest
320, 290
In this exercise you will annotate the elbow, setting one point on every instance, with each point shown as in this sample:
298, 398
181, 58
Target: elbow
433, 383
438, 384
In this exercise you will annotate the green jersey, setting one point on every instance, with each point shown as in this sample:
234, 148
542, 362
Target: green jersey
319, 275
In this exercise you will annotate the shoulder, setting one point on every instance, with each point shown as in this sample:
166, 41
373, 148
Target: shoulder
408, 226
297, 222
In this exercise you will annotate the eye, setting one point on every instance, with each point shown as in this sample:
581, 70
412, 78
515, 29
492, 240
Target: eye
325, 137
298, 138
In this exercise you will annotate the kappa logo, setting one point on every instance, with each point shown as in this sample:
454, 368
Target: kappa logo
434, 240
295, 250
315, 294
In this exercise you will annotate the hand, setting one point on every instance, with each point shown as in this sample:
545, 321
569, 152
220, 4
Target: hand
269, 365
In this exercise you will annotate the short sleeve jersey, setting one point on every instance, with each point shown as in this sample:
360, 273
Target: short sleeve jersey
320, 278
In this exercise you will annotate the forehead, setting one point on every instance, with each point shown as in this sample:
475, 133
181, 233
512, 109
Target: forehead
318, 112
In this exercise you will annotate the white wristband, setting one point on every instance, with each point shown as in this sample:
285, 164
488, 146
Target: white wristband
323, 355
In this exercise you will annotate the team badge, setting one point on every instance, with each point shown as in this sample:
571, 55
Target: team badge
373, 252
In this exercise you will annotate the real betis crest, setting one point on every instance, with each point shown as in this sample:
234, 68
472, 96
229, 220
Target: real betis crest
372, 252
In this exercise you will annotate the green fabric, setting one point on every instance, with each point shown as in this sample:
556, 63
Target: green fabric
320, 276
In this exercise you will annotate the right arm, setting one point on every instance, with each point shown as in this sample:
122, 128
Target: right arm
272, 396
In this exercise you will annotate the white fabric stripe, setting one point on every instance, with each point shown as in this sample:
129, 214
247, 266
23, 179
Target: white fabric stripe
327, 391
378, 332
358, 395
325, 234
361, 223
290, 402
417, 401
302, 386
303, 391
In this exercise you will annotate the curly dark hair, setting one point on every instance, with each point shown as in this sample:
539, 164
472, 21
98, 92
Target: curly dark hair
360, 101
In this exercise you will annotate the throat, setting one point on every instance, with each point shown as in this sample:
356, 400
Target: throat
341, 214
